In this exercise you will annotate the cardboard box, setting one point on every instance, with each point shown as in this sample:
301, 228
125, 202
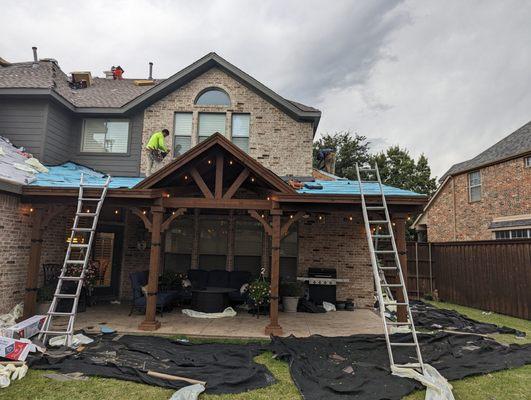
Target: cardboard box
27, 328
14, 349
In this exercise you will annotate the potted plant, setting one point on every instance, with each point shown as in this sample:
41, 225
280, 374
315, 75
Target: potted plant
44, 298
259, 293
291, 292
170, 280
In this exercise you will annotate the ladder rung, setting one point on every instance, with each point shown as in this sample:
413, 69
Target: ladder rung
89, 198
394, 303
381, 236
387, 268
375, 208
65, 296
378, 221
56, 332
397, 323
367, 169
82, 229
391, 285
384, 251
412, 365
87, 214
70, 278
77, 262
402, 344
79, 245
59, 314
92, 186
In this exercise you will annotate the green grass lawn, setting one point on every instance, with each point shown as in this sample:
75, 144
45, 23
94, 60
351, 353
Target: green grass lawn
512, 384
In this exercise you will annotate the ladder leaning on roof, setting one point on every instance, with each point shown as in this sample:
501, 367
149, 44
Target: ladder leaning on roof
90, 220
374, 238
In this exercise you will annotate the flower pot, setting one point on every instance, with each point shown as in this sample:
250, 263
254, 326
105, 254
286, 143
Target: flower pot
42, 308
290, 303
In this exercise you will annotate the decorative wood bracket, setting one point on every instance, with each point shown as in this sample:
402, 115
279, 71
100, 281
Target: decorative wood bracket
177, 213
201, 183
285, 228
263, 221
236, 184
141, 214
269, 228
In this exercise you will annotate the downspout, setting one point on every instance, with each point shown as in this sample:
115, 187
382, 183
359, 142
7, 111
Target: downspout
455, 212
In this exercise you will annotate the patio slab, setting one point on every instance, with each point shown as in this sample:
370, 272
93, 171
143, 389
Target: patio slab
243, 325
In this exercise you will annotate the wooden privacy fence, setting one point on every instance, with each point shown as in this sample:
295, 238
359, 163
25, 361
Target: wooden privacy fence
489, 275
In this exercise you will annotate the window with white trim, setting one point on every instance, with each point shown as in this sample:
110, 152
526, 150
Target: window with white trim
213, 97
210, 123
527, 162
240, 131
474, 186
183, 133
105, 136
513, 234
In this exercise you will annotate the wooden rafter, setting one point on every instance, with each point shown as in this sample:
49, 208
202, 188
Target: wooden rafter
218, 189
263, 221
142, 215
201, 183
236, 184
285, 228
175, 214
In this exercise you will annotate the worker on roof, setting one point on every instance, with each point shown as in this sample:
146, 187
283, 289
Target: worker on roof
156, 149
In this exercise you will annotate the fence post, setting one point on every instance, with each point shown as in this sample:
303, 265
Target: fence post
431, 274
417, 268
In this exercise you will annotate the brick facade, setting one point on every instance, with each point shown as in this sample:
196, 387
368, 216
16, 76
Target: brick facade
505, 191
276, 140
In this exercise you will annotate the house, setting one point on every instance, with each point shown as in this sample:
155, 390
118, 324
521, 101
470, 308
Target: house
487, 197
222, 200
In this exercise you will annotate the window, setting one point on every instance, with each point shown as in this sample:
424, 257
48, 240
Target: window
527, 161
240, 131
213, 97
248, 235
178, 245
513, 234
210, 123
105, 136
183, 133
474, 186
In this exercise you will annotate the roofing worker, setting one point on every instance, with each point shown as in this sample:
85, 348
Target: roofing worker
156, 148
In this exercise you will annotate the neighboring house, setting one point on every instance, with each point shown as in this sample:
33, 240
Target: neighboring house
486, 197
223, 199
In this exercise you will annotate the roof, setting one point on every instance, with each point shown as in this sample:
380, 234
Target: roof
122, 96
513, 221
517, 143
68, 175
349, 187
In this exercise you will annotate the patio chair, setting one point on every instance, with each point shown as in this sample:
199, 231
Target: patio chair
164, 299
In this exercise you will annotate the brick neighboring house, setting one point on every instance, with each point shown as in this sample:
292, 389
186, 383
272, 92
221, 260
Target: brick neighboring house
487, 197
231, 187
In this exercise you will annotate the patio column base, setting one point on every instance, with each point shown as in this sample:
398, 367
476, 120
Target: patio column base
275, 330
149, 325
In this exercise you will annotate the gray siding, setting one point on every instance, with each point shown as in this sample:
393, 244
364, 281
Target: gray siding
113, 164
22, 122
59, 135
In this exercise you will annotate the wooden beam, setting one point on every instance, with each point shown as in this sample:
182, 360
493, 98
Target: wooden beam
400, 237
273, 328
236, 184
227, 204
150, 323
175, 214
201, 183
263, 221
32, 275
218, 189
142, 215
285, 228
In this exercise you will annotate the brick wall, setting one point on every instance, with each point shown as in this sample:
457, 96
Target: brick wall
341, 244
276, 140
506, 191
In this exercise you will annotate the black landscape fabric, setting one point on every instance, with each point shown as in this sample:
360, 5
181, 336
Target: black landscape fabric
429, 317
357, 367
227, 368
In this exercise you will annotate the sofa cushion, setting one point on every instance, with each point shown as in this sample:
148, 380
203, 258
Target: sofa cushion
138, 279
198, 277
238, 278
218, 278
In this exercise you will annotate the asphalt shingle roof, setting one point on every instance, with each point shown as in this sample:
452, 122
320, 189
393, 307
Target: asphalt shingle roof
518, 142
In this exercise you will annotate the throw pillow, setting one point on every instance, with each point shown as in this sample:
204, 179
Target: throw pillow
144, 290
186, 283
244, 288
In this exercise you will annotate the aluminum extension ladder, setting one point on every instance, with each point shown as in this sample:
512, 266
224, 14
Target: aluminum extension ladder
383, 233
90, 221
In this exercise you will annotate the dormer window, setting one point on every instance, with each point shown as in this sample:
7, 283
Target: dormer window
213, 97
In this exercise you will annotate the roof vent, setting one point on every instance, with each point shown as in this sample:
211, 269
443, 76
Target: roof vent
108, 74
81, 79
150, 77
35, 58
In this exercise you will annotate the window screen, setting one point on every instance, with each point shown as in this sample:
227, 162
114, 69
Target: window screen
213, 97
248, 238
183, 133
105, 136
180, 236
474, 185
210, 123
240, 131
213, 236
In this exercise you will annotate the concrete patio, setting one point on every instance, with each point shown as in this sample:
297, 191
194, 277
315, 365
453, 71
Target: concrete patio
243, 325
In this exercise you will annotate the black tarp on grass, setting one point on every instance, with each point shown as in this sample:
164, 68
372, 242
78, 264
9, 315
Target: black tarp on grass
227, 368
357, 367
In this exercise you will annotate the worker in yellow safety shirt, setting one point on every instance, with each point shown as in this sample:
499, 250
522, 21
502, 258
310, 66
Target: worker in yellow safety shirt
156, 148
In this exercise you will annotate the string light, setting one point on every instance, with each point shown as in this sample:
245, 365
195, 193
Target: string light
268, 198
173, 212
230, 162
31, 209
167, 195
409, 218
350, 218
291, 216
320, 217
116, 211
144, 212
88, 209
263, 215
252, 179
185, 177
209, 162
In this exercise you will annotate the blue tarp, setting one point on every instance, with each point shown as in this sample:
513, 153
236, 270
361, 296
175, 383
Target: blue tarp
348, 187
68, 175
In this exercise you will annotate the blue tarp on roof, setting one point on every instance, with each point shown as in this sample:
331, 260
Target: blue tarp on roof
348, 187
68, 175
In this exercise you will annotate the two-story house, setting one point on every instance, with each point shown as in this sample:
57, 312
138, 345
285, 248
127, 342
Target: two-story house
221, 201
487, 197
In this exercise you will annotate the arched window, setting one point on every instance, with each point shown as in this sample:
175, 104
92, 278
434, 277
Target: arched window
213, 97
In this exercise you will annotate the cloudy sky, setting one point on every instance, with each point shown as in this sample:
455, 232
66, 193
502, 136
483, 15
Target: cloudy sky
444, 78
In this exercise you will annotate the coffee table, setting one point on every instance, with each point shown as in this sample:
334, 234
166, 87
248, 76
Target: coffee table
210, 299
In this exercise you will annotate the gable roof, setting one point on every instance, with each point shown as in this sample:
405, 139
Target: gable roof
203, 148
122, 96
514, 145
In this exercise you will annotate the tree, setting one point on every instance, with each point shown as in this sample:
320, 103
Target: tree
399, 169
350, 149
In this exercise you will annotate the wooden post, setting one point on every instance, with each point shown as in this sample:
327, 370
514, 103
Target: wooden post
32, 277
274, 328
400, 237
150, 323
